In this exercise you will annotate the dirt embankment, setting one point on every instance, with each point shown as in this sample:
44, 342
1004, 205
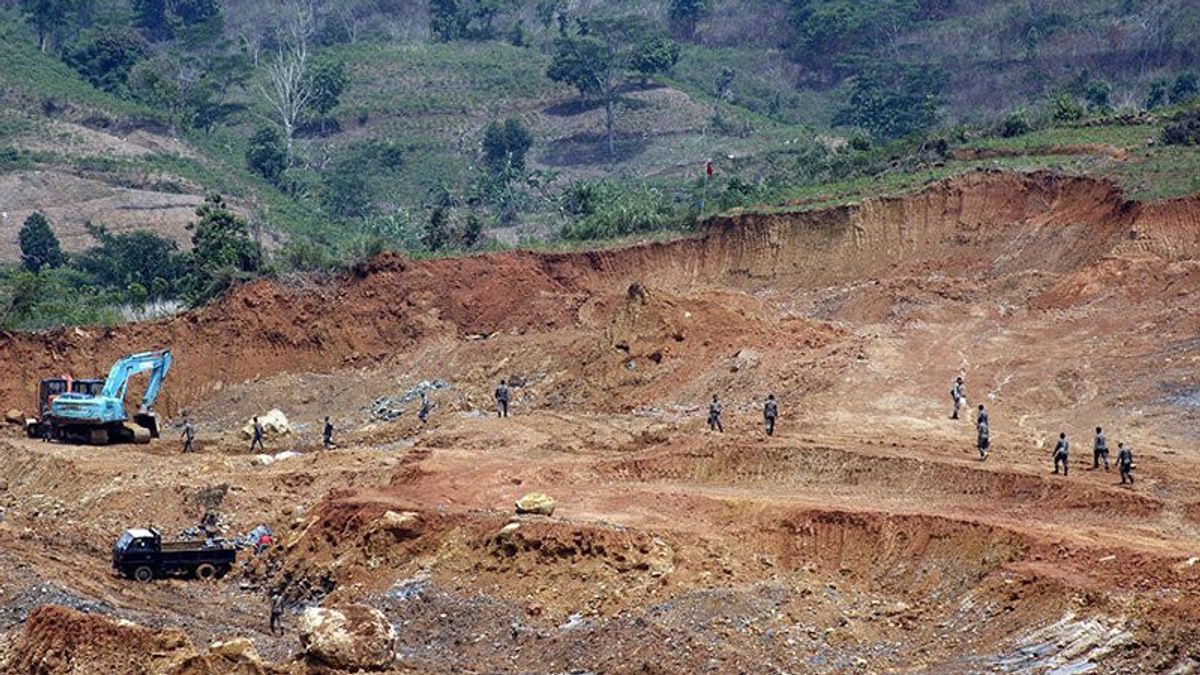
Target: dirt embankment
981, 223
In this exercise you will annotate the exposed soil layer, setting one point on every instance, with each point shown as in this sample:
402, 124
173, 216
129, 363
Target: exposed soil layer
866, 534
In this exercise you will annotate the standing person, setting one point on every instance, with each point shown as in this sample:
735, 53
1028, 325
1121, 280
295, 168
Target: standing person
984, 441
502, 395
1061, 453
327, 433
188, 436
1125, 463
1100, 450
714, 415
423, 413
277, 614
956, 393
770, 413
258, 436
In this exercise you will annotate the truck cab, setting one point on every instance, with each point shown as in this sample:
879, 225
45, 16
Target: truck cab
141, 554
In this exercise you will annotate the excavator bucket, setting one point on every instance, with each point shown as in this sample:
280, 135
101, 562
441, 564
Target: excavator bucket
148, 422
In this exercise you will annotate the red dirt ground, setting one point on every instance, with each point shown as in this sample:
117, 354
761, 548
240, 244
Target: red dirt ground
865, 536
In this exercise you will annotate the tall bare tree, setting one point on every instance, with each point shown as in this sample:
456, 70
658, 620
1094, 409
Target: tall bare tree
288, 88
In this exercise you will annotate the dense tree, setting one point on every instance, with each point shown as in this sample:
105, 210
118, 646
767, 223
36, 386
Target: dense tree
138, 259
832, 34
49, 17
686, 14
472, 231
160, 20
1157, 97
547, 10
353, 185
653, 56
266, 154
328, 80
105, 57
438, 235
39, 246
451, 20
599, 60
150, 17
1185, 88
891, 101
221, 239
505, 146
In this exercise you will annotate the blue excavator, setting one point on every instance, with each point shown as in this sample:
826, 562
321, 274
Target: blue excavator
93, 411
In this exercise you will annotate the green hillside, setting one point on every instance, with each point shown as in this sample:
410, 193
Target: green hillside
455, 125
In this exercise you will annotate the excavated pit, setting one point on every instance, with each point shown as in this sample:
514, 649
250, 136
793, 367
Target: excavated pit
866, 535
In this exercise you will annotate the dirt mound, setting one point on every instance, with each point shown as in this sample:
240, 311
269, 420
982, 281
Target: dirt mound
61, 640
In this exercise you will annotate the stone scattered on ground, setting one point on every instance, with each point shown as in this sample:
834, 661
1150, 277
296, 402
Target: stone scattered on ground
536, 503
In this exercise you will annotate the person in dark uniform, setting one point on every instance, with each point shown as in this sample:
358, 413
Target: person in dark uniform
426, 407
327, 434
1062, 452
502, 395
277, 614
1100, 450
984, 441
956, 393
188, 436
1125, 463
714, 415
258, 437
770, 414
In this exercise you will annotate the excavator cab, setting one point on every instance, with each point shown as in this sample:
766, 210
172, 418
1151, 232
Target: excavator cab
91, 387
48, 389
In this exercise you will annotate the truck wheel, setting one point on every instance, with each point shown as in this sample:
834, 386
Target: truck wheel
143, 574
205, 572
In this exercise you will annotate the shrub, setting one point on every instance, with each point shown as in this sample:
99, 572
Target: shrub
1183, 130
1067, 109
1015, 124
605, 210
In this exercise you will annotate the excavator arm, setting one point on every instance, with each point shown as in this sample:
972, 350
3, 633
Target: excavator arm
117, 382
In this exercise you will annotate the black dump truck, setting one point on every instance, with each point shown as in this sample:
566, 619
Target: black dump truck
142, 554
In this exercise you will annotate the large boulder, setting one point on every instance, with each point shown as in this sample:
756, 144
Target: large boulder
274, 423
349, 637
536, 503
14, 416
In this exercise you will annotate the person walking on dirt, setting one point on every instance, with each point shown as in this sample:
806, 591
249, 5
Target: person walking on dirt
277, 614
188, 436
502, 395
327, 434
984, 442
1125, 463
1100, 450
1061, 452
956, 393
423, 413
770, 413
258, 437
714, 415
